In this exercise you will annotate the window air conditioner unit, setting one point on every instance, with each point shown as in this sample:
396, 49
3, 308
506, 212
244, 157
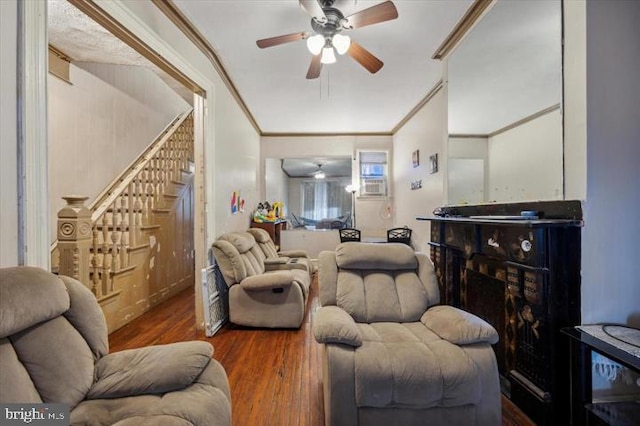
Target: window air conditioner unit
373, 187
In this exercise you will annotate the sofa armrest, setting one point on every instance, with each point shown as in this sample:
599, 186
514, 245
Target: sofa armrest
150, 370
458, 326
332, 324
293, 253
276, 279
276, 261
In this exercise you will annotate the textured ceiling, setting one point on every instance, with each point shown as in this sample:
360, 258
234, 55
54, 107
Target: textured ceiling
83, 40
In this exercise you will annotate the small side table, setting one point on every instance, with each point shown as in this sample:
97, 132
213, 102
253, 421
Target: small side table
582, 410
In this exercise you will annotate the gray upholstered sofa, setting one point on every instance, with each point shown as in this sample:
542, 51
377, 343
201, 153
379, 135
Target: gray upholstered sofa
261, 293
392, 355
289, 259
54, 348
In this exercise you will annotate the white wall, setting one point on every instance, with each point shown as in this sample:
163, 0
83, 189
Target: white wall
370, 217
467, 168
232, 145
610, 284
237, 166
575, 99
276, 183
99, 125
8, 135
525, 163
425, 131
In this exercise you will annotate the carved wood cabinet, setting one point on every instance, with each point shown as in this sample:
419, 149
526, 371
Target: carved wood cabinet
523, 277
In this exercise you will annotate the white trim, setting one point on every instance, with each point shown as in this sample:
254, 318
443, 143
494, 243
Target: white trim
204, 137
33, 189
118, 11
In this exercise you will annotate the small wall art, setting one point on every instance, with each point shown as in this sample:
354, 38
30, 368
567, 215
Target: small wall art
235, 202
433, 163
415, 157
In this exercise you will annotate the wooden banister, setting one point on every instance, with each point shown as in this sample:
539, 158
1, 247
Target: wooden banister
95, 242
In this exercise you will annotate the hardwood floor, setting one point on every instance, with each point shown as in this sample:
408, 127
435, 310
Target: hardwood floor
275, 375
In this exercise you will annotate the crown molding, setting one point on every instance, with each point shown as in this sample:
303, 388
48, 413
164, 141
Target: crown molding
509, 126
183, 23
463, 26
434, 90
525, 120
320, 134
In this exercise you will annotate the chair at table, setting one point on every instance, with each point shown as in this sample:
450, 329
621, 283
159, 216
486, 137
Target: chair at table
349, 234
399, 235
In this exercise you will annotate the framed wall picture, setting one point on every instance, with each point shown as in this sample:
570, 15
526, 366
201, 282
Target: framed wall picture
416, 158
433, 164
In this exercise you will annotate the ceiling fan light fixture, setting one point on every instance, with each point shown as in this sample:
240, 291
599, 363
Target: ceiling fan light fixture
320, 175
328, 55
315, 44
341, 43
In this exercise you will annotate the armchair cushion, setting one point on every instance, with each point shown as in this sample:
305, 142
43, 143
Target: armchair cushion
407, 365
458, 327
267, 281
372, 256
333, 325
21, 304
150, 370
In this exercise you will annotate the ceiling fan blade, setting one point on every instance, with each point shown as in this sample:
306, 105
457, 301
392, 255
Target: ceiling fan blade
315, 67
287, 38
379, 13
364, 58
314, 9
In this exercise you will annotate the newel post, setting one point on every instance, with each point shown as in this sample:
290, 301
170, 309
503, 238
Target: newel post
74, 239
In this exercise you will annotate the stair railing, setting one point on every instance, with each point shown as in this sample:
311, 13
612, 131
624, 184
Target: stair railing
94, 242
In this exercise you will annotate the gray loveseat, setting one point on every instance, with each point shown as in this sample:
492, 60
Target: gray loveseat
392, 355
262, 292
288, 259
54, 348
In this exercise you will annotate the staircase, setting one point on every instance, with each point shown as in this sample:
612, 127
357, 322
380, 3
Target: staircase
133, 246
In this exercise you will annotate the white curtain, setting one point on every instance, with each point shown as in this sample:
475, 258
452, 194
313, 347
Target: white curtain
325, 198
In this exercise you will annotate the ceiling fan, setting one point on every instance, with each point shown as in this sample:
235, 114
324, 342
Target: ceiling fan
319, 174
328, 23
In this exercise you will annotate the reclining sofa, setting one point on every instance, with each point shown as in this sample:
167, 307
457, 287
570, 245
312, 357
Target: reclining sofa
392, 355
289, 259
54, 349
262, 292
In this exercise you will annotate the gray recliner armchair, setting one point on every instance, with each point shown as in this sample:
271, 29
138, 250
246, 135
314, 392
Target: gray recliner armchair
392, 355
54, 349
289, 259
261, 294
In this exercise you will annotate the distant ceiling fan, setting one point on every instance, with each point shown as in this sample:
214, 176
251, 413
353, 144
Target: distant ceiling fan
327, 23
319, 174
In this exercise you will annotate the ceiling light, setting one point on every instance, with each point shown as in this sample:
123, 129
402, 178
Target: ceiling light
328, 56
351, 188
315, 44
319, 174
341, 43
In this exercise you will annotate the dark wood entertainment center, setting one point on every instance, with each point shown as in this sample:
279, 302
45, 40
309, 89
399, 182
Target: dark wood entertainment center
522, 275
